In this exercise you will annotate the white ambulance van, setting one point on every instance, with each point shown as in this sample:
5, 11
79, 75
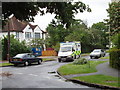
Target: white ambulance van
69, 51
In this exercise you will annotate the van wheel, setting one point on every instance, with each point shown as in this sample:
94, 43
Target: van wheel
59, 60
74, 57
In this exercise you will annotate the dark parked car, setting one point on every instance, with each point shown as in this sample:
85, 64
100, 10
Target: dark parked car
25, 58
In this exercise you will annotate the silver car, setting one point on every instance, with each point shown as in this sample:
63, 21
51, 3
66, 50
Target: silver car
97, 53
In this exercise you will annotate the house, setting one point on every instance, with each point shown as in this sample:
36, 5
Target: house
22, 30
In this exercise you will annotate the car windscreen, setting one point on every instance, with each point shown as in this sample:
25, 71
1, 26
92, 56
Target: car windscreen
65, 49
20, 55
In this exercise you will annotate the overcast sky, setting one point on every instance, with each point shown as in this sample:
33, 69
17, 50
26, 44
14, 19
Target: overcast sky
97, 15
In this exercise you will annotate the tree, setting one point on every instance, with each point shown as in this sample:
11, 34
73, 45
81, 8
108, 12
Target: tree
56, 34
114, 14
100, 36
26, 11
80, 33
100, 26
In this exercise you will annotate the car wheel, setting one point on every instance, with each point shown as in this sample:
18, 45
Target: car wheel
26, 63
39, 61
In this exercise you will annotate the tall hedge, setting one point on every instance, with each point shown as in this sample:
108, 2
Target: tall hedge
115, 58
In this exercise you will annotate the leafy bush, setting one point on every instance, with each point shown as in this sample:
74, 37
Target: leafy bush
115, 58
80, 61
116, 40
15, 47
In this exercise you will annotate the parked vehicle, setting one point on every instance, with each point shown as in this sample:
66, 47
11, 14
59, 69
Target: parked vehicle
25, 58
69, 51
97, 53
37, 51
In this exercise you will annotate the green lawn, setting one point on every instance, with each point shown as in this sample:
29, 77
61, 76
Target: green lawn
79, 69
105, 57
100, 79
47, 59
5, 64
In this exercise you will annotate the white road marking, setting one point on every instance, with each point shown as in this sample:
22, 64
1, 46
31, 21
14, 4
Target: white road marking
32, 74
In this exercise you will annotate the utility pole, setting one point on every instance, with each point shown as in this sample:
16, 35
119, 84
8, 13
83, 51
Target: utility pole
109, 38
8, 54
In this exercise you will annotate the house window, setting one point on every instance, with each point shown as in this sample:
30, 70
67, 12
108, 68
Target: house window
37, 35
17, 34
27, 35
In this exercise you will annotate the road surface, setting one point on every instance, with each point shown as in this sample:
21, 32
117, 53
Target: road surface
36, 76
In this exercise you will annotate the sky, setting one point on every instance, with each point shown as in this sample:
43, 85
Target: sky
98, 14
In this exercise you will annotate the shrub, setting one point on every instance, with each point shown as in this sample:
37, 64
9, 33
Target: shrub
116, 40
80, 61
15, 47
115, 58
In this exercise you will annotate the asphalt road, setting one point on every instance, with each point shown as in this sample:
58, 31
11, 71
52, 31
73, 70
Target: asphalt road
36, 76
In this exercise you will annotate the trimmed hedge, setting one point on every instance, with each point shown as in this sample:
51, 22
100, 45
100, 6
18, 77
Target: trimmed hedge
115, 58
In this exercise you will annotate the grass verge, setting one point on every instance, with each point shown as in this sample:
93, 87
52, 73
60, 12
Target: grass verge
79, 69
47, 59
105, 57
100, 79
5, 64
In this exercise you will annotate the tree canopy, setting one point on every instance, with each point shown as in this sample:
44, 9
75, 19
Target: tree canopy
114, 14
26, 11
